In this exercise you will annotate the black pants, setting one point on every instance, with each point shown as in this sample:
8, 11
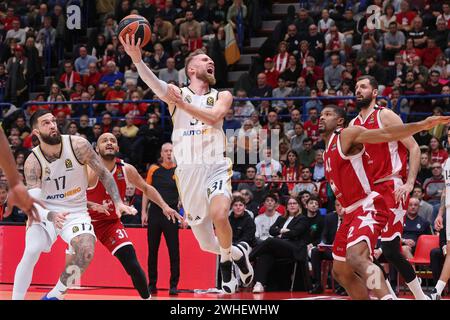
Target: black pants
317, 257
437, 259
265, 255
157, 225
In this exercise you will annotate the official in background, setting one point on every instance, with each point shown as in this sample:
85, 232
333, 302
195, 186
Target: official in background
162, 178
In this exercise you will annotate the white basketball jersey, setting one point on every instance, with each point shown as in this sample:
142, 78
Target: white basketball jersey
446, 173
193, 141
64, 181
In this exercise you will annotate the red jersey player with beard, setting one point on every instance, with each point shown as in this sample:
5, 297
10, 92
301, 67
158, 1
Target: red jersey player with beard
348, 171
107, 225
389, 166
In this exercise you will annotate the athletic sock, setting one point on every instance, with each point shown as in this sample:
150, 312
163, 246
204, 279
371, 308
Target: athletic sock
225, 254
236, 254
388, 284
387, 297
440, 285
416, 289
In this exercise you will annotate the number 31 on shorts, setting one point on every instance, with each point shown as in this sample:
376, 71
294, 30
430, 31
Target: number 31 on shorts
217, 185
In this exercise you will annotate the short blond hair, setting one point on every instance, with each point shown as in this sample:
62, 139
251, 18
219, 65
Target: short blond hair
189, 60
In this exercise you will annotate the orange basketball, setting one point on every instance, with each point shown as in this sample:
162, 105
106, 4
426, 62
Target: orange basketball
137, 25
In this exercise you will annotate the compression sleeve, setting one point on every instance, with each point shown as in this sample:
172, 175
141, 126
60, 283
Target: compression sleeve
159, 87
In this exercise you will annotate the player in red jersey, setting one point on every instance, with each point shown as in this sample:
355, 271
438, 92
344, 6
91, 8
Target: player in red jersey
389, 165
107, 225
348, 171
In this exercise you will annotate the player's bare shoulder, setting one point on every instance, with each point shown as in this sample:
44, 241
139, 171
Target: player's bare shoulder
82, 149
225, 97
389, 118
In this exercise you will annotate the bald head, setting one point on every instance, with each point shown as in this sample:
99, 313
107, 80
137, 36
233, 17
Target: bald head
107, 146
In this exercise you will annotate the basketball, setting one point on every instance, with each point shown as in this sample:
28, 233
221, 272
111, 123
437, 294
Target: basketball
137, 25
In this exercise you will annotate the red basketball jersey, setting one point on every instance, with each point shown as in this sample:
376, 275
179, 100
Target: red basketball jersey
98, 193
349, 176
387, 158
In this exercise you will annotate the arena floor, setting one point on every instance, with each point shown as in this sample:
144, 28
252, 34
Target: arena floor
36, 292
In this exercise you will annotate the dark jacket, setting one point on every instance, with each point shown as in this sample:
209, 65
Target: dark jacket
297, 234
330, 226
315, 228
244, 228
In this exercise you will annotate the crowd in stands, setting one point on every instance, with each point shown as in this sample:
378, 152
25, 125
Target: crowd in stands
315, 52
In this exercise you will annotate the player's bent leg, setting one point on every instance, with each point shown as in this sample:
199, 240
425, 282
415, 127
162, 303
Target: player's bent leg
444, 277
83, 252
128, 259
347, 278
36, 242
218, 212
393, 253
358, 257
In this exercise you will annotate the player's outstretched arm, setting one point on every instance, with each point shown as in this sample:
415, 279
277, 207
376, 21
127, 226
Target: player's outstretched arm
165, 92
86, 155
390, 118
209, 116
150, 192
360, 135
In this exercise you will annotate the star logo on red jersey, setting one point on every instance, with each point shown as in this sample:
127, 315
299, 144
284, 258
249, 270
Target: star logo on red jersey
367, 221
399, 214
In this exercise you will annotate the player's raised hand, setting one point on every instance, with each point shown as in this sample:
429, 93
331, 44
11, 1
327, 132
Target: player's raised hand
18, 197
121, 209
433, 121
172, 214
132, 48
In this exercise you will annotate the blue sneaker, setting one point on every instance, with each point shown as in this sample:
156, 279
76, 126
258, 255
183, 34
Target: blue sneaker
47, 298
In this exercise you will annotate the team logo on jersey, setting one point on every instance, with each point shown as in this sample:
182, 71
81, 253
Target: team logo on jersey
193, 122
188, 99
47, 171
75, 229
189, 217
372, 119
120, 175
210, 101
68, 164
333, 147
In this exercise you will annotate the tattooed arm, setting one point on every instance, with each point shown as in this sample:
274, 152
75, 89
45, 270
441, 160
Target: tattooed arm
86, 155
151, 193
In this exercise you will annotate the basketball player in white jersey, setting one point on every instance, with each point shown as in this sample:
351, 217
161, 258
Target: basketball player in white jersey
18, 195
439, 225
56, 173
203, 172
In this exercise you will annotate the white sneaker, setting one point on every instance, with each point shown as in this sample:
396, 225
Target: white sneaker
258, 288
244, 266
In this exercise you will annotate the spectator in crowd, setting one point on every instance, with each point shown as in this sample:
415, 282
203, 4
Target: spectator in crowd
264, 221
430, 53
414, 227
405, 17
277, 186
17, 33
129, 130
280, 92
84, 128
83, 61
437, 152
318, 168
308, 155
375, 70
291, 170
92, 76
331, 223
393, 41
111, 74
169, 73
334, 44
288, 239
303, 21
68, 78
271, 73
229, 122
311, 73
250, 204
250, 174
243, 109
268, 165
305, 184
47, 34
262, 89
434, 186
425, 209
312, 124
316, 222
292, 38
242, 223
16, 84
260, 190
333, 73
424, 170
164, 32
